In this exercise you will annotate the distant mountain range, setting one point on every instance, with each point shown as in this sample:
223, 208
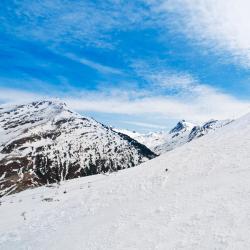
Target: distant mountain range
183, 132
45, 142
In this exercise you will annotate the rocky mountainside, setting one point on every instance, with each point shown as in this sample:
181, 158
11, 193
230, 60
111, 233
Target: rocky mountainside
183, 132
44, 142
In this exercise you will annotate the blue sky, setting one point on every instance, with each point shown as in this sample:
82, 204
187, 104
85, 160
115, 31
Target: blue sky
140, 64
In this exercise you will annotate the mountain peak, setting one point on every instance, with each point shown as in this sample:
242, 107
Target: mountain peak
182, 126
45, 142
57, 103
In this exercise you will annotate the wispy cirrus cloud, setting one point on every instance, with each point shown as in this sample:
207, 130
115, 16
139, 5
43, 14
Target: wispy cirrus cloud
61, 21
95, 65
144, 124
222, 26
161, 76
170, 80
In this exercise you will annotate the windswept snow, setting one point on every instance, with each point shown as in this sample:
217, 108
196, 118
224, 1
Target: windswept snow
201, 202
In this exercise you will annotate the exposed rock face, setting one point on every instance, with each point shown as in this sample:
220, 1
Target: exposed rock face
181, 126
199, 131
45, 142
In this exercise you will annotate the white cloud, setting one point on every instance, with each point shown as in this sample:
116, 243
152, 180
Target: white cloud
160, 76
12, 96
201, 105
94, 65
202, 108
219, 24
179, 81
173, 81
66, 21
144, 124
222, 25
198, 103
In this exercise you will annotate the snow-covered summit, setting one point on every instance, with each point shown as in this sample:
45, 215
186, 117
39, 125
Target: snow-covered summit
16, 119
45, 142
182, 126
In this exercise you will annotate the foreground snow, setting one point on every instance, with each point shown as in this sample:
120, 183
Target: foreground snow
201, 202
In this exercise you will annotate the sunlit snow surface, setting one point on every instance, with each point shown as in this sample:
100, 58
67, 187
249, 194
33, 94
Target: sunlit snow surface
201, 202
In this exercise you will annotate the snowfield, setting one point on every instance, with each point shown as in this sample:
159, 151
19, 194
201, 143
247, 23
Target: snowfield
201, 202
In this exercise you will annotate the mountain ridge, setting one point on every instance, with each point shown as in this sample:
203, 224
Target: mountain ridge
182, 133
45, 142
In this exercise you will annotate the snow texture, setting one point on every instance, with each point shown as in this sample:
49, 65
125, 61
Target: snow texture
201, 202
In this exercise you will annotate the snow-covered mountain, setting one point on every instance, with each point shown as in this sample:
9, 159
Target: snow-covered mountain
44, 142
183, 132
201, 202
199, 131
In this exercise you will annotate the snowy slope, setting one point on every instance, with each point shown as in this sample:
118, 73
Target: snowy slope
201, 202
183, 132
45, 142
